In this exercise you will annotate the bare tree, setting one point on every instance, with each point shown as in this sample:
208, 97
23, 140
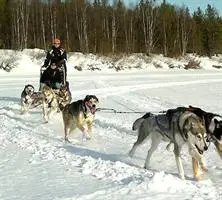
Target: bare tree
113, 31
42, 16
185, 29
84, 19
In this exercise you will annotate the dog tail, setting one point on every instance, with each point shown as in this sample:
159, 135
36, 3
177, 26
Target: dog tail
139, 121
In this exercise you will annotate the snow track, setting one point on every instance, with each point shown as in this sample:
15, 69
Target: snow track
36, 161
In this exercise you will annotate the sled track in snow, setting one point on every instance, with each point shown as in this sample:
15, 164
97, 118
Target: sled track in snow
45, 141
43, 144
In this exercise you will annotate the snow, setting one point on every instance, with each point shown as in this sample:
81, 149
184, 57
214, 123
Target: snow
35, 163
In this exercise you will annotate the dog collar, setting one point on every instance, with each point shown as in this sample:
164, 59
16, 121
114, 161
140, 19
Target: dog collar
87, 110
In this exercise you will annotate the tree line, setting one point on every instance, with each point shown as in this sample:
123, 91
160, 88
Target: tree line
98, 26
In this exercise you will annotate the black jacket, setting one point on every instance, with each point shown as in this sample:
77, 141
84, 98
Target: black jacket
55, 55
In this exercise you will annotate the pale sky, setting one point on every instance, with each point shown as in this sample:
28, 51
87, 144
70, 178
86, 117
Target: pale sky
194, 4
191, 4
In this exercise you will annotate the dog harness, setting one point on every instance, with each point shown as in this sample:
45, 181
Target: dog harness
49, 102
28, 99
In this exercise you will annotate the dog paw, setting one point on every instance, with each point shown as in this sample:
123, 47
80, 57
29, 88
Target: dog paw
45, 121
22, 112
204, 168
197, 178
146, 167
67, 140
182, 177
130, 155
86, 136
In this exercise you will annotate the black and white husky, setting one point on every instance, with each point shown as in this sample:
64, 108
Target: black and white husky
182, 127
29, 98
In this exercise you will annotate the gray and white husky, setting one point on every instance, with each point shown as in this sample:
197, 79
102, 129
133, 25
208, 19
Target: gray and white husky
182, 127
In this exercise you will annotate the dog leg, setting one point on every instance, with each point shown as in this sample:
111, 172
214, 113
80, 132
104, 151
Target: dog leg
23, 107
203, 165
194, 153
196, 169
69, 126
22, 110
133, 150
84, 133
154, 145
51, 111
177, 154
45, 112
140, 139
67, 133
89, 125
28, 107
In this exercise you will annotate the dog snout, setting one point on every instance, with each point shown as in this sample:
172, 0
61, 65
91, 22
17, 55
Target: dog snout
93, 105
205, 148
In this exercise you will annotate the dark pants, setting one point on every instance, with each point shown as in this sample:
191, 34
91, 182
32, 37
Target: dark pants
52, 77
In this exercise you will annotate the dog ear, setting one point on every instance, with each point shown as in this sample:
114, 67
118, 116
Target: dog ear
203, 121
87, 98
29, 85
217, 123
97, 99
94, 97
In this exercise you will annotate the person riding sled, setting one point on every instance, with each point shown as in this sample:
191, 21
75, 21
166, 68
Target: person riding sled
54, 71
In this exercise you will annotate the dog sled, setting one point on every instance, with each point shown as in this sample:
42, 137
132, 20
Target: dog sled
54, 76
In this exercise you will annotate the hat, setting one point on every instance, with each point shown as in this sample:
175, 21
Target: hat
57, 41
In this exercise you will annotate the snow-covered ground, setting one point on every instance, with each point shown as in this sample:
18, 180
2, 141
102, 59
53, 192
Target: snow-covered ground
35, 163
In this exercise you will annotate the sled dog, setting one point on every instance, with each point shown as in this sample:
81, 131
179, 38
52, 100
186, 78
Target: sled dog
29, 98
180, 128
64, 95
50, 103
213, 124
212, 121
76, 114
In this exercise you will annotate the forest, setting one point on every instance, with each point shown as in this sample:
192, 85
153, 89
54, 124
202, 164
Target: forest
110, 27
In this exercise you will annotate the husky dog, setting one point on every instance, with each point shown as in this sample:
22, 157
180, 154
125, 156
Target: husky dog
64, 95
29, 98
76, 114
213, 124
183, 127
50, 103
